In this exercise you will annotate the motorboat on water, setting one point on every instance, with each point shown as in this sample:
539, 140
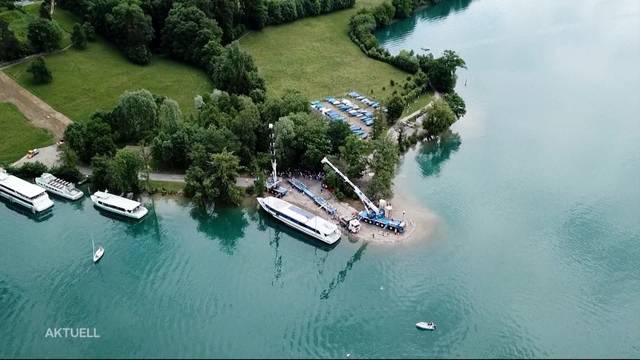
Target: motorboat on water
59, 187
119, 205
24, 193
300, 219
426, 325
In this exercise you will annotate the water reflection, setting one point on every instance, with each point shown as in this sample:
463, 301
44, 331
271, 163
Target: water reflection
434, 153
226, 226
280, 227
342, 274
36, 217
404, 28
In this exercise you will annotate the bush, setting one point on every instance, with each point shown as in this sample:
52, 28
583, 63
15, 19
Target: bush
78, 37
89, 31
10, 47
28, 170
44, 35
395, 108
139, 54
38, 68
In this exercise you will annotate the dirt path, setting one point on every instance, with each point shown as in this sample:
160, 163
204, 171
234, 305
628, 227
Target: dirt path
37, 111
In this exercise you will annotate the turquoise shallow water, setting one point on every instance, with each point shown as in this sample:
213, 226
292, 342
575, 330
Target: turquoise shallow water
535, 252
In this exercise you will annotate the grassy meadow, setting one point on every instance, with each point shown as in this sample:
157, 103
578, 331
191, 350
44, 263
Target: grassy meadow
19, 20
85, 81
316, 56
17, 135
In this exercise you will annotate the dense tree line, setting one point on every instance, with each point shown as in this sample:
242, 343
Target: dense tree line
284, 11
427, 72
189, 30
43, 35
232, 127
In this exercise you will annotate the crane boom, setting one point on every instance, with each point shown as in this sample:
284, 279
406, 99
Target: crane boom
368, 204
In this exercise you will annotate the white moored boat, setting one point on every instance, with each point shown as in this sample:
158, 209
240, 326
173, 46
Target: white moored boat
301, 219
31, 196
119, 205
59, 187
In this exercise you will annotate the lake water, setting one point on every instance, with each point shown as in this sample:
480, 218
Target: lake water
536, 250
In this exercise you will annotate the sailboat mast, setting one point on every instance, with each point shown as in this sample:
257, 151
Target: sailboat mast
272, 145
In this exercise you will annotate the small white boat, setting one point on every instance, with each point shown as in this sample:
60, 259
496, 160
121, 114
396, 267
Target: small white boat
97, 254
426, 326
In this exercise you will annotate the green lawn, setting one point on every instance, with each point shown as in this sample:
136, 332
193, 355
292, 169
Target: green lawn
316, 56
19, 21
171, 187
17, 135
85, 81
88, 80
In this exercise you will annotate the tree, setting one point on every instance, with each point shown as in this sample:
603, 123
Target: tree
395, 108
131, 29
212, 177
89, 31
93, 137
456, 103
135, 116
173, 148
441, 72
10, 47
101, 172
354, 153
38, 68
125, 168
45, 10
439, 118
78, 37
293, 101
236, 72
383, 164
44, 35
256, 12
8, 4
338, 132
68, 168
379, 125
169, 115
403, 8
189, 35
383, 14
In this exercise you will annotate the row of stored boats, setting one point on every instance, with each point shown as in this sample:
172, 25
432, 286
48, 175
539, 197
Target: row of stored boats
35, 198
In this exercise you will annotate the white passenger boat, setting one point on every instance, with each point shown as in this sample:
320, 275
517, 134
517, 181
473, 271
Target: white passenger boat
59, 187
301, 219
31, 196
119, 205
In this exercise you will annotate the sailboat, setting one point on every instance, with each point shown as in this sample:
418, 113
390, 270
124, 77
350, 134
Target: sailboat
97, 254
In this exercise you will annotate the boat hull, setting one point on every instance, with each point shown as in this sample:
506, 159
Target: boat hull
294, 225
39, 208
75, 196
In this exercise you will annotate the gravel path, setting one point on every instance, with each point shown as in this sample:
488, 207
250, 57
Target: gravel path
35, 110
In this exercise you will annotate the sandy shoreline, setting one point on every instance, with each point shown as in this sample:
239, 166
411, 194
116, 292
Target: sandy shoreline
421, 222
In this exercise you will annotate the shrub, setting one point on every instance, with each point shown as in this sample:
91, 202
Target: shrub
38, 68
